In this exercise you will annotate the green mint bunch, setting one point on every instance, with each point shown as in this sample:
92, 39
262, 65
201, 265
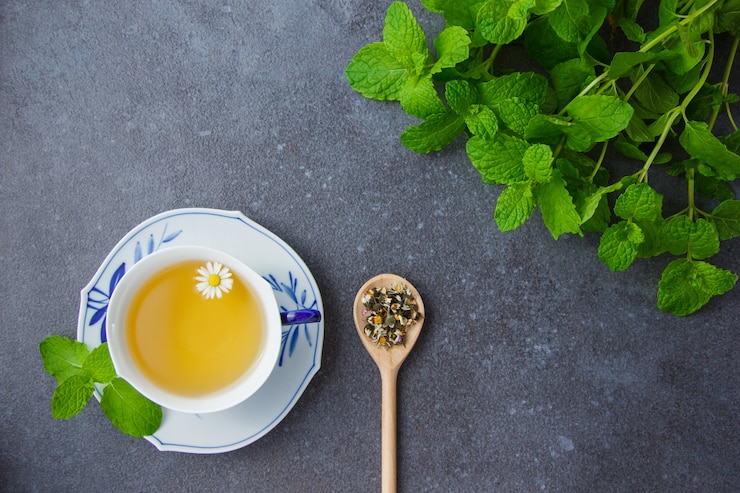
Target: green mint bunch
77, 370
547, 134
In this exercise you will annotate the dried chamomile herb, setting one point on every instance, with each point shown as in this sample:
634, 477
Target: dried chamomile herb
389, 313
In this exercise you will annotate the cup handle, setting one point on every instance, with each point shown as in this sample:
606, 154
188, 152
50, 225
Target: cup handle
296, 317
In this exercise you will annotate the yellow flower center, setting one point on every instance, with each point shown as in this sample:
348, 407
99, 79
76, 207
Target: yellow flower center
214, 280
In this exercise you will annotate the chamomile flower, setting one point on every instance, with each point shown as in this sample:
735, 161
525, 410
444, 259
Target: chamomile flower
214, 280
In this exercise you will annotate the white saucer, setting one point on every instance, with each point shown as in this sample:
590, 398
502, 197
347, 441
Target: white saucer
293, 285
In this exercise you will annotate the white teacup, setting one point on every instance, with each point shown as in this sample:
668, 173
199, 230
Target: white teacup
192, 341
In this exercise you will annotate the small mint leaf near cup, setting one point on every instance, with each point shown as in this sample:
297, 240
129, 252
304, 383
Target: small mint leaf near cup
77, 370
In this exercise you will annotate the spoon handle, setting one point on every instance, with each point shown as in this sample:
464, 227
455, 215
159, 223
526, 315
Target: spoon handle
388, 424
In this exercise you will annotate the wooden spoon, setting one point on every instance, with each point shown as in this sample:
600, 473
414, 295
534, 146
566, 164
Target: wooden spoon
389, 361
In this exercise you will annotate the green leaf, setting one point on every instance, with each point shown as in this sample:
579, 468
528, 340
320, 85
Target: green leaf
516, 113
481, 121
681, 59
602, 116
697, 238
624, 62
375, 74
713, 188
569, 78
99, 365
570, 20
618, 245
654, 93
542, 7
402, 35
688, 285
653, 244
434, 133
632, 30
726, 217
62, 357
71, 396
420, 99
728, 18
638, 131
558, 211
545, 46
128, 410
667, 12
527, 86
514, 206
639, 201
456, 12
500, 23
549, 128
700, 143
592, 201
537, 161
460, 95
499, 160
453, 47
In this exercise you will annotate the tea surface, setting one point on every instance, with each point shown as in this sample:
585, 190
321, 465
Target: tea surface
186, 343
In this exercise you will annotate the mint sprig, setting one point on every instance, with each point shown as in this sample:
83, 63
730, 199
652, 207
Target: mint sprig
77, 370
547, 135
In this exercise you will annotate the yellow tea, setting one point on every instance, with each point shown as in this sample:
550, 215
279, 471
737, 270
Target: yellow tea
187, 343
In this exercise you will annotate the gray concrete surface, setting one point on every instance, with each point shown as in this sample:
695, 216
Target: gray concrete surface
538, 369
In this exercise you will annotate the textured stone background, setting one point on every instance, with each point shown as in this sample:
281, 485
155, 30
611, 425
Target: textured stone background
538, 369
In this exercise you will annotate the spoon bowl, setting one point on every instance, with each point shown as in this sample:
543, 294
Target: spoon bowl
388, 360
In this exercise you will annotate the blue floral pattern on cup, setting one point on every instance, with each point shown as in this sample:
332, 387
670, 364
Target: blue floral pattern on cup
301, 302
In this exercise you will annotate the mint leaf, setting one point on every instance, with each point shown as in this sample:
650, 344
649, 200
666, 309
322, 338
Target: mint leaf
726, 217
639, 201
632, 30
527, 86
624, 62
514, 206
403, 36
549, 128
654, 93
558, 212
570, 20
602, 116
419, 97
728, 18
374, 73
700, 143
481, 121
128, 410
537, 161
569, 78
99, 365
653, 243
434, 133
699, 239
456, 12
453, 47
516, 113
667, 12
62, 357
542, 7
71, 396
545, 46
499, 160
502, 21
460, 95
688, 285
619, 244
